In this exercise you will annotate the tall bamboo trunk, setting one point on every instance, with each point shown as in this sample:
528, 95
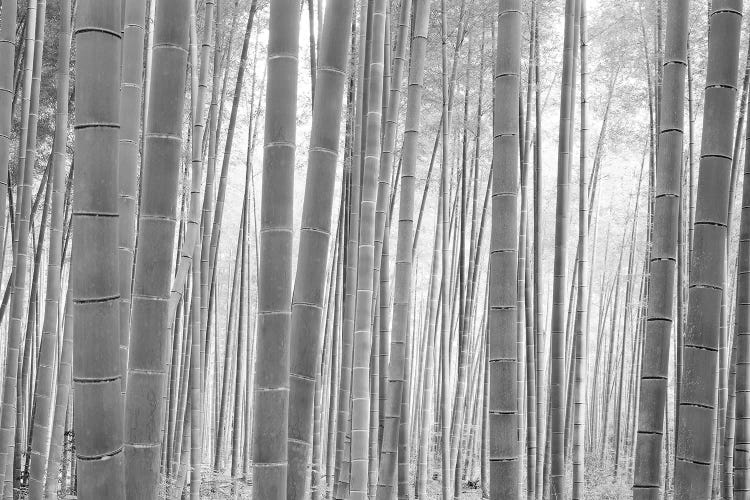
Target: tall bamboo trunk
362, 344
404, 256
695, 446
526, 227
199, 63
726, 397
307, 301
381, 312
580, 338
443, 416
557, 354
458, 417
383, 210
505, 462
343, 441
275, 280
537, 287
144, 404
210, 137
98, 424
651, 412
742, 336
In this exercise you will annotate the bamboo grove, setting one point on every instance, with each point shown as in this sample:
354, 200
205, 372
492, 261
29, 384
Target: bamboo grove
374, 249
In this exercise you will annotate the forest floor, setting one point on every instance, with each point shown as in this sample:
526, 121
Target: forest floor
601, 484
217, 487
220, 488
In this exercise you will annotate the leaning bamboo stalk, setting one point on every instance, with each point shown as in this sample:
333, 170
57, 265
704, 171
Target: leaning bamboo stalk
24, 407
62, 398
557, 379
242, 339
374, 388
426, 416
220, 196
605, 298
336, 354
8, 421
184, 402
196, 385
174, 381
611, 351
572, 298
404, 435
200, 80
626, 327
247, 443
192, 235
484, 448
691, 164
183, 463
727, 482
131, 90
210, 138
727, 417
40, 444
460, 35
230, 350
382, 353
8, 15
417, 382
325, 382
463, 316
351, 288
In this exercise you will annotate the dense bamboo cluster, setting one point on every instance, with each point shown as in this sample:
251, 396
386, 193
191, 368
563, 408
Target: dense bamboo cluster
319, 249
